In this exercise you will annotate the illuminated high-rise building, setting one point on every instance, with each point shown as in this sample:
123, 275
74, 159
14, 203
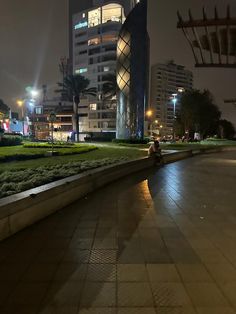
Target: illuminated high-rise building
95, 28
167, 81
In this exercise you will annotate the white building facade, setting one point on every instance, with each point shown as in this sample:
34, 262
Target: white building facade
168, 80
95, 35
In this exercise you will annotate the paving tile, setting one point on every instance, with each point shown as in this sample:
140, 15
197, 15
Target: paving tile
71, 272
98, 295
194, 273
163, 273
63, 294
30, 294
57, 243
222, 273
211, 256
132, 272
40, 272
85, 243
19, 309
230, 292
50, 255
170, 294
134, 295
176, 310
184, 255
215, 310
12, 271
101, 272
107, 243
5, 290
58, 310
76, 256
100, 310
205, 295
136, 310
103, 256
157, 256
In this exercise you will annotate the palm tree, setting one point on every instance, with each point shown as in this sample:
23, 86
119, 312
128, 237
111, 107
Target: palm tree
109, 88
76, 86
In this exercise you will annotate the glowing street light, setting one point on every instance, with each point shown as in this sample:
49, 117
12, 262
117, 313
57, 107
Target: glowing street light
149, 113
34, 93
20, 104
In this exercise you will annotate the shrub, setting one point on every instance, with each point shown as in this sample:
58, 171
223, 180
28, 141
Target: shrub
9, 140
16, 181
49, 145
130, 141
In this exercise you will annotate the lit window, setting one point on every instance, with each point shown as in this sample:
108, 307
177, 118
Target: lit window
81, 70
112, 13
106, 69
93, 107
109, 38
38, 110
94, 17
94, 41
81, 25
83, 15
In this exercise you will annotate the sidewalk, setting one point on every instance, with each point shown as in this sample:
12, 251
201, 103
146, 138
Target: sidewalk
159, 242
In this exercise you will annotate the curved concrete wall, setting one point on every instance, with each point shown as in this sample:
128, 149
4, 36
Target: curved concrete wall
26, 208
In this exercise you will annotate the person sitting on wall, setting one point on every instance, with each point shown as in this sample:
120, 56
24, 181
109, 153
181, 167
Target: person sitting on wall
155, 150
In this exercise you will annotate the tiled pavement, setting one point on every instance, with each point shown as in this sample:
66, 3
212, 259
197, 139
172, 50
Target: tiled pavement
161, 242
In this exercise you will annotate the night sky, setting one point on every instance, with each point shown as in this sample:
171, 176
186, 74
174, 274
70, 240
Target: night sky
33, 37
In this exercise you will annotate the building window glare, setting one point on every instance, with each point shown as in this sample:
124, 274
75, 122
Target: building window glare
81, 70
106, 69
109, 38
93, 107
81, 25
94, 17
38, 110
112, 13
94, 41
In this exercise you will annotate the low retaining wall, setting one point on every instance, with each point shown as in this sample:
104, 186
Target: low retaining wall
24, 209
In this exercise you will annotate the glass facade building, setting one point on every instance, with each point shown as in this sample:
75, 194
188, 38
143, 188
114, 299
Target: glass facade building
132, 74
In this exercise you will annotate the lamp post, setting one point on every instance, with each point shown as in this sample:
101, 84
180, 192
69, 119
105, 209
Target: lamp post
149, 114
20, 104
174, 99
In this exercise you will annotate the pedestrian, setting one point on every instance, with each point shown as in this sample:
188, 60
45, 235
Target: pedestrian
155, 150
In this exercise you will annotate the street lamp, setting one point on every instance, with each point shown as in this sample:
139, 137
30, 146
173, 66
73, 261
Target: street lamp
149, 114
34, 93
20, 104
174, 99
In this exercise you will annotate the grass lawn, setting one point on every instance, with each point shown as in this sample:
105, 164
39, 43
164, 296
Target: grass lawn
18, 176
20, 152
100, 153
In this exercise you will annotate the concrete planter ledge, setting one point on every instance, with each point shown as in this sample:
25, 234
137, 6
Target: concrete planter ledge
24, 209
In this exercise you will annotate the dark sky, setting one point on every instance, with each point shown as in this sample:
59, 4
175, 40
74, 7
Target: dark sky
33, 37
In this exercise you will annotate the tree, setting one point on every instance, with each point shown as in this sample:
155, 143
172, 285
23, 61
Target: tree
75, 86
109, 88
226, 129
198, 113
3, 107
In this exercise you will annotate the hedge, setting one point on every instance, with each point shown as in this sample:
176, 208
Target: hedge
10, 141
130, 141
